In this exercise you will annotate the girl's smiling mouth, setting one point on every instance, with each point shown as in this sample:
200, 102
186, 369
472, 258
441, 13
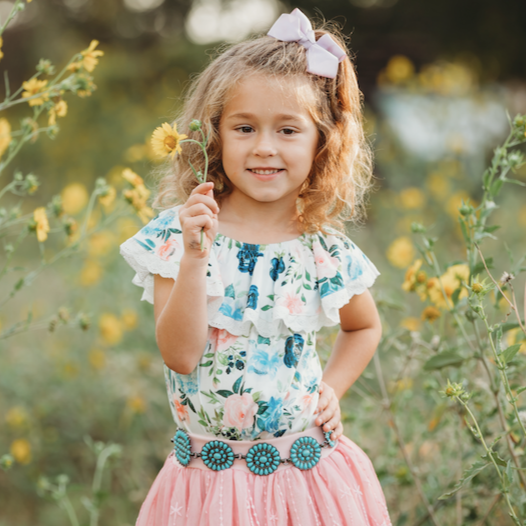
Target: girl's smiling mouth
265, 174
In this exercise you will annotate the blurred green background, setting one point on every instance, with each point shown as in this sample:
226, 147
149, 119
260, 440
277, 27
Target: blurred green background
437, 77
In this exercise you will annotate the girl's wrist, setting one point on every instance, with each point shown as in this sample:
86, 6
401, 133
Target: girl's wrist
190, 264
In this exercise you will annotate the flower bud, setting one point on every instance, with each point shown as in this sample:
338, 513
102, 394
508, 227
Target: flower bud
195, 125
477, 287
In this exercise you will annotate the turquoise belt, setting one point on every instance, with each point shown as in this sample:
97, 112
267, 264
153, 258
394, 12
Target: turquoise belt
262, 458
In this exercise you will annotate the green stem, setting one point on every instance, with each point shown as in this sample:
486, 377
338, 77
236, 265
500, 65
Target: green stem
489, 453
501, 367
11, 15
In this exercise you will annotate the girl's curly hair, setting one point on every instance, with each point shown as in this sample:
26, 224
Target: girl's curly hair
341, 174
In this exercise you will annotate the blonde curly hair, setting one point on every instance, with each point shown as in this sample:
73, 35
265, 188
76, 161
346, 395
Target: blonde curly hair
341, 175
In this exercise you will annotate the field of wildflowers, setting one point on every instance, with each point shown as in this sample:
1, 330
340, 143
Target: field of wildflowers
440, 410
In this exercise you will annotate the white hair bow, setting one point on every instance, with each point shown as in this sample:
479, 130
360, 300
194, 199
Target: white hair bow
323, 56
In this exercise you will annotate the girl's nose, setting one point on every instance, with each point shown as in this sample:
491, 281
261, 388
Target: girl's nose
264, 146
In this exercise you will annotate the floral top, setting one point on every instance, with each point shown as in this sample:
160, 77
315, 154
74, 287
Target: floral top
259, 374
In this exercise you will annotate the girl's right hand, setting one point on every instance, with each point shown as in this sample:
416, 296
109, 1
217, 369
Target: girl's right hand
199, 211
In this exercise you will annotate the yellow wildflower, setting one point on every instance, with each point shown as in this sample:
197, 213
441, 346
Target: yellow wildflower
90, 55
100, 243
97, 359
110, 328
415, 279
412, 198
136, 404
1, 44
129, 319
107, 200
411, 324
166, 141
134, 179
21, 450
451, 280
430, 313
42, 224
91, 273
399, 69
74, 198
5, 135
401, 252
60, 109
16, 417
33, 87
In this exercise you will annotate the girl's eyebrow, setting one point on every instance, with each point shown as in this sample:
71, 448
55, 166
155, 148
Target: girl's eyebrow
281, 117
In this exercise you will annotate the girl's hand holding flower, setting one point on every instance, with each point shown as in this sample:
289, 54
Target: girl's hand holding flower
199, 212
329, 411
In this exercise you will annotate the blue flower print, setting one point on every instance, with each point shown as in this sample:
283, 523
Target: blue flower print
248, 257
188, 382
293, 348
278, 266
230, 309
253, 295
271, 417
354, 269
262, 362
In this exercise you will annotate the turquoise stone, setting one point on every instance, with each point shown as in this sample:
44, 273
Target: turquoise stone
262, 459
217, 456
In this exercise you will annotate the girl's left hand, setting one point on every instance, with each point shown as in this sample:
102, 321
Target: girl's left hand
329, 411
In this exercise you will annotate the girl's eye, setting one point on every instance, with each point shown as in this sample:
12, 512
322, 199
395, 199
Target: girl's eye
245, 129
288, 131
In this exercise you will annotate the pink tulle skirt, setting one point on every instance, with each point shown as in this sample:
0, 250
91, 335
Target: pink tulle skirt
342, 489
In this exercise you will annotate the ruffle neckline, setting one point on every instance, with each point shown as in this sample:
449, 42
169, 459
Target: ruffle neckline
294, 286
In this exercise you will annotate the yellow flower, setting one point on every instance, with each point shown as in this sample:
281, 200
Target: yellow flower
16, 417
165, 140
100, 243
129, 319
137, 197
412, 198
107, 200
399, 69
21, 450
401, 252
414, 277
136, 404
60, 109
438, 185
74, 198
5, 135
451, 280
91, 273
42, 224
33, 87
430, 313
110, 328
134, 179
411, 324
97, 359
90, 55
1, 44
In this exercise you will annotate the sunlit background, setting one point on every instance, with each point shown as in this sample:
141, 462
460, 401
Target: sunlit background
440, 81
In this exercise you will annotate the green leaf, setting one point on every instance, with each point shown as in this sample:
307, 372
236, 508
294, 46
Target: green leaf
266, 307
491, 228
496, 186
510, 352
499, 461
443, 359
520, 390
224, 393
307, 286
479, 267
515, 181
455, 295
307, 275
464, 229
471, 472
236, 385
206, 364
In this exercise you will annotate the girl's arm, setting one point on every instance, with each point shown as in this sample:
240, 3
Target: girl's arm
355, 345
180, 306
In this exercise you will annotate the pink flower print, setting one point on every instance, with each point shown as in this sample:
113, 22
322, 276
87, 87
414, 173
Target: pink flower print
292, 302
223, 339
306, 401
182, 412
326, 265
168, 249
240, 411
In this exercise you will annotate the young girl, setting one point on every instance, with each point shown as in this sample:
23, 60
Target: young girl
258, 436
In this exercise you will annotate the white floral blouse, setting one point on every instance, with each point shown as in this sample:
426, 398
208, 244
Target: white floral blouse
259, 373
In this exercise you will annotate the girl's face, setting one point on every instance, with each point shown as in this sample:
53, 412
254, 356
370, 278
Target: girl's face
269, 140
